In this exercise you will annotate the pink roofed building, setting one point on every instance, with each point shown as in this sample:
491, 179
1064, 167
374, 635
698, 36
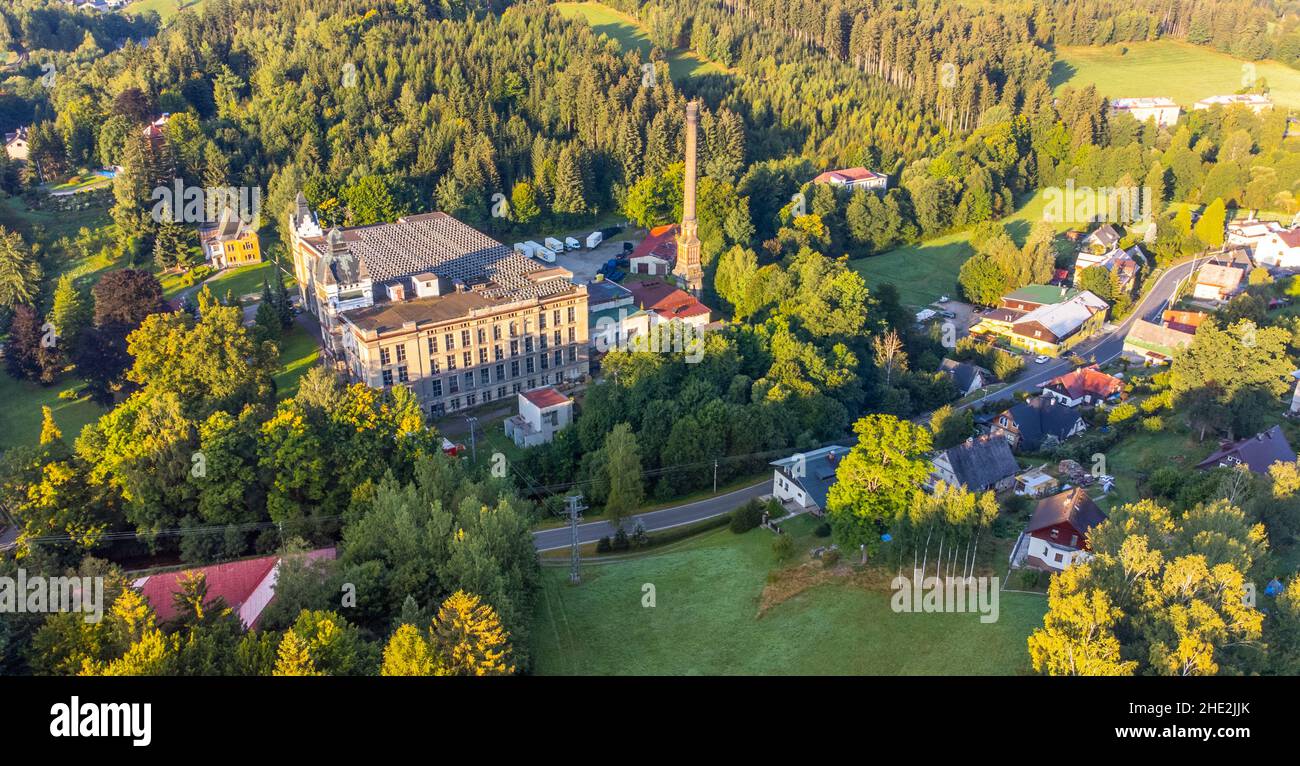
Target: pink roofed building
854, 178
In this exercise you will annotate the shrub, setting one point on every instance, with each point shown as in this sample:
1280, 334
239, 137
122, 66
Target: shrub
747, 517
830, 558
783, 547
823, 529
1153, 424
1121, 413
602, 545
621, 541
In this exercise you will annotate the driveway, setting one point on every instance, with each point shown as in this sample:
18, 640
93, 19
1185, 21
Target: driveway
654, 521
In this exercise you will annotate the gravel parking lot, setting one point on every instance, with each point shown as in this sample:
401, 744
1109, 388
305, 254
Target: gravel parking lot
583, 262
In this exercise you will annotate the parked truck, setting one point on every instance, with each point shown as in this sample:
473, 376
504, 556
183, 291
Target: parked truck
554, 245
594, 239
544, 254
524, 248
572, 243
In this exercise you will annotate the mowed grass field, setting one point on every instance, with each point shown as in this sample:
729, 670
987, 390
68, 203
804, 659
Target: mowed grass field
165, 8
1182, 71
927, 270
705, 621
631, 35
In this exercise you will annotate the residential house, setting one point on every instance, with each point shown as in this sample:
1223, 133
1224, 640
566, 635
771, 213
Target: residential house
1057, 534
246, 586
1124, 264
1161, 109
1249, 233
966, 378
232, 242
1215, 282
802, 481
1184, 321
978, 464
854, 178
1155, 343
1255, 102
1102, 240
1037, 423
1051, 329
656, 254
669, 303
1280, 249
1256, 452
16, 146
1084, 385
543, 412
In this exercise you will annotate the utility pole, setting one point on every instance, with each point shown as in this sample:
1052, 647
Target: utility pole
473, 444
574, 507
715, 476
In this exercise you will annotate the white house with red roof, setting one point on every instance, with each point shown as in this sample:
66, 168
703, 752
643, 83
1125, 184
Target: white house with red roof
247, 586
667, 303
1085, 385
543, 412
854, 178
656, 254
1280, 249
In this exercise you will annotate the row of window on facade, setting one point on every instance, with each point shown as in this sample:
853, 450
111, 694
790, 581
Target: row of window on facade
386, 353
402, 374
473, 398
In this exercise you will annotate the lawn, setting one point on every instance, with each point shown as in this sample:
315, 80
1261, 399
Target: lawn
1182, 71
1143, 452
20, 417
299, 352
165, 8
246, 280
630, 34
705, 621
16, 216
927, 270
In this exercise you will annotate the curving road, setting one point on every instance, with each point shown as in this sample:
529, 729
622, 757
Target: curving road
667, 518
1103, 348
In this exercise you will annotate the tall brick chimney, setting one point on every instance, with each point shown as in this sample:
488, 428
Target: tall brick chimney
687, 269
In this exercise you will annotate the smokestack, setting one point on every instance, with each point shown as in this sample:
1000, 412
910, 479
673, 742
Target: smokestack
692, 126
689, 273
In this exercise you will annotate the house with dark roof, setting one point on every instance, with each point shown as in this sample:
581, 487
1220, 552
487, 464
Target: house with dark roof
1103, 239
1083, 385
967, 378
1037, 423
1057, 534
1256, 452
246, 586
802, 481
16, 146
978, 464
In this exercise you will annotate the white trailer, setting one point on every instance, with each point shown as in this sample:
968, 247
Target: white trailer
571, 243
533, 247
554, 245
544, 254
524, 248
594, 239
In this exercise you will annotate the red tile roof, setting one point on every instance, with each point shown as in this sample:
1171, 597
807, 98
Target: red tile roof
544, 397
235, 582
661, 242
666, 301
846, 174
1087, 380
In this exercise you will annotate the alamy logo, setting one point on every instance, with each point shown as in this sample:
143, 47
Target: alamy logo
47, 595
103, 719
946, 594
179, 203
661, 338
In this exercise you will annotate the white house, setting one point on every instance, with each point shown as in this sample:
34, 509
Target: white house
1249, 233
542, 413
802, 481
1280, 249
1163, 110
1057, 535
1255, 102
854, 178
16, 144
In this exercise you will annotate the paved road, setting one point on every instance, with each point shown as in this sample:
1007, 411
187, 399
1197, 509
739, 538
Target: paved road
1103, 348
551, 539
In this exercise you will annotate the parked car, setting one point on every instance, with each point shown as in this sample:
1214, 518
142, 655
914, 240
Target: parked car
1041, 359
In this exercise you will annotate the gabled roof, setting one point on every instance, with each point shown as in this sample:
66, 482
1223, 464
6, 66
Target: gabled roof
847, 175
1062, 319
661, 243
666, 300
818, 466
963, 374
982, 462
1086, 380
1106, 236
1072, 506
1256, 452
1040, 417
1153, 337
